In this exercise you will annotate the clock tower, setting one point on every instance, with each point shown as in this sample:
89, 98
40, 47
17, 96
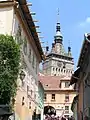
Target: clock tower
58, 62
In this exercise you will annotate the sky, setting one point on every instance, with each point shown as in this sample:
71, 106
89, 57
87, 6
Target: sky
74, 20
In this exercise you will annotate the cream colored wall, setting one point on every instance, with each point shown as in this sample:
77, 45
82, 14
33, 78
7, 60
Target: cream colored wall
9, 25
31, 76
6, 20
59, 103
59, 97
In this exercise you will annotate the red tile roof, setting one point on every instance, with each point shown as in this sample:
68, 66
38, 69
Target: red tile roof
52, 82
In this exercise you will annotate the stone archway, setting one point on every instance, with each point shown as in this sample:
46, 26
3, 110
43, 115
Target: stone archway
49, 110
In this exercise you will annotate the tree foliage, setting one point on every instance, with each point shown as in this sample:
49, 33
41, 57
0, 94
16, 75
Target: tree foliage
9, 68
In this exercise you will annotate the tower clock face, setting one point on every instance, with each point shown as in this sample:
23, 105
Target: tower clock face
59, 64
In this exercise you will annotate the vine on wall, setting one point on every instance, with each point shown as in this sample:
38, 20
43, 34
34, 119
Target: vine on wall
9, 68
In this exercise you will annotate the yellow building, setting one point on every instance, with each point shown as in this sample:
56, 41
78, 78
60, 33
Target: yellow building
58, 94
16, 20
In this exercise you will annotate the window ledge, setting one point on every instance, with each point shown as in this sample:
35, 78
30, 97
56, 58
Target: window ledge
53, 100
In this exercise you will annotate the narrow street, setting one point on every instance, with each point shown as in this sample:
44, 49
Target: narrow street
44, 60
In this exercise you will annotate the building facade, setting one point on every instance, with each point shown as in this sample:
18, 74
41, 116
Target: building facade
81, 78
58, 94
17, 21
74, 107
58, 62
41, 100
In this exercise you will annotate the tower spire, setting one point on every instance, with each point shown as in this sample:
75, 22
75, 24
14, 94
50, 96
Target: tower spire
58, 23
58, 37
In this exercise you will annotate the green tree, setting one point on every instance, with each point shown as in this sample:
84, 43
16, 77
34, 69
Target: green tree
9, 68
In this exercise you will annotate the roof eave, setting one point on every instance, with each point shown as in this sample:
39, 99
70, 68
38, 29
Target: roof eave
83, 51
75, 76
32, 27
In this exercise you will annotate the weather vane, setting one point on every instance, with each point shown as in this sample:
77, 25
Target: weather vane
58, 15
58, 11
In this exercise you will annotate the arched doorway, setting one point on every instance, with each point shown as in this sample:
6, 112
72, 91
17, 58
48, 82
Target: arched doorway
49, 110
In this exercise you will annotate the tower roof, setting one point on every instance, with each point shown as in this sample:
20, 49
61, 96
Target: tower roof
58, 37
57, 45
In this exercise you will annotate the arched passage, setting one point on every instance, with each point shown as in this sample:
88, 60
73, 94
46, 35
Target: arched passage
49, 110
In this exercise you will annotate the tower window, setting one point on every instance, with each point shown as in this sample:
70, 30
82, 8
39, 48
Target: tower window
53, 69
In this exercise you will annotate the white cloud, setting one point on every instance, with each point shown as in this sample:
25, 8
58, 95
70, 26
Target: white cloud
85, 23
88, 20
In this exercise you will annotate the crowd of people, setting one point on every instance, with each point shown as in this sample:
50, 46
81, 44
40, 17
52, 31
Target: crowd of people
48, 117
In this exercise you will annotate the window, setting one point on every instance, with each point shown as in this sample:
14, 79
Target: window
53, 69
29, 56
25, 46
45, 97
18, 35
53, 96
66, 109
60, 85
35, 96
33, 60
66, 98
31, 92
29, 105
67, 84
27, 89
